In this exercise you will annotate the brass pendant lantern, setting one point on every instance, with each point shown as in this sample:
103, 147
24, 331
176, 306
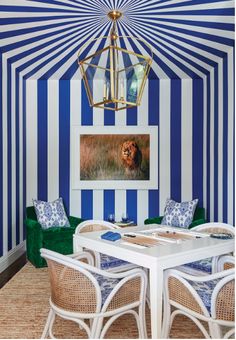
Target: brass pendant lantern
115, 77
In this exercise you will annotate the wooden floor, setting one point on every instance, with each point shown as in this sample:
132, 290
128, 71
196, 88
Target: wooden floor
8, 273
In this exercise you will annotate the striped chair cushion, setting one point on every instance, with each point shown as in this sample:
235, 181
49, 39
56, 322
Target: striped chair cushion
204, 265
106, 285
111, 262
204, 290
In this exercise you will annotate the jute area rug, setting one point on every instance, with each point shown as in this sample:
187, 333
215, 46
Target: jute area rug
24, 308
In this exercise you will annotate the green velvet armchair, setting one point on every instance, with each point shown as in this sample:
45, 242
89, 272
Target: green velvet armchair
198, 218
59, 239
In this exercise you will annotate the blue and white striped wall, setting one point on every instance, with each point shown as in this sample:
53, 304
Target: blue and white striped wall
54, 106
189, 96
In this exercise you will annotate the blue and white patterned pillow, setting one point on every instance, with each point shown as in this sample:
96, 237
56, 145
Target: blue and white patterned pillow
179, 214
51, 214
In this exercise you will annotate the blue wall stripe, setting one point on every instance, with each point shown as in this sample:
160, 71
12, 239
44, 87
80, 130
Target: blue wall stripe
216, 131
109, 117
87, 204
64, 142
208, 127
153, 101
42, 140
132, 116
153, 119
153, 203
197, 143
9, 157
225, 138
175, 132
87, 111
131, 204
17, 160
109, 203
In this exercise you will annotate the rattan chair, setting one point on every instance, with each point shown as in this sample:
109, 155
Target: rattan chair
209, 265
80, 291
201, 298
102, 261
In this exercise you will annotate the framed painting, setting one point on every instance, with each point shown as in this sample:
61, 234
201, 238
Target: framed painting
114, 157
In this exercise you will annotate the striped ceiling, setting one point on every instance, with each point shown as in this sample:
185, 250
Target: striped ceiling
40, 39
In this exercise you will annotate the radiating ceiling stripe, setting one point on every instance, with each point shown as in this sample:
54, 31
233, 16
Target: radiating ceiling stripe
187, 37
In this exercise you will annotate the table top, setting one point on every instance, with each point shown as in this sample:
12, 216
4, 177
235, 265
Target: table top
187, 251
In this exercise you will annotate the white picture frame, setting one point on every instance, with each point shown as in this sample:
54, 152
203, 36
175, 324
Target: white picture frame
77, 183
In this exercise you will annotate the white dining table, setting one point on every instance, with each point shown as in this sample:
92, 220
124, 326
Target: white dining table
156, 259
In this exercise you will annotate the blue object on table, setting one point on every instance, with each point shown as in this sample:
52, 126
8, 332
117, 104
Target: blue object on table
111, 236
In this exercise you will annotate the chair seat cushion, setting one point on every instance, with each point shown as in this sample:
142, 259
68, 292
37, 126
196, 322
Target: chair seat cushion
106, 285
204, 290
111, 262
204, 265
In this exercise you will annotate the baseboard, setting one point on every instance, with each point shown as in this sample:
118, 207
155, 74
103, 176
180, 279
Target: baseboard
12, 256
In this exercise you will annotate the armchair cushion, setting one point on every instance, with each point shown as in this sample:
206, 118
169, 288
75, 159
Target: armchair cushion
179, 214
59, 239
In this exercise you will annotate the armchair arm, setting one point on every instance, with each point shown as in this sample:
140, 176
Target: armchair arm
74, 221
32, 225
156, 220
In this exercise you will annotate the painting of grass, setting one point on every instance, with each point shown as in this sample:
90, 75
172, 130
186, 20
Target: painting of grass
114, 157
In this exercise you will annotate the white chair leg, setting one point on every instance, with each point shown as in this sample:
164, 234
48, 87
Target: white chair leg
215, 331
51, 316
142, 321
229, 333
96, 328
166, 321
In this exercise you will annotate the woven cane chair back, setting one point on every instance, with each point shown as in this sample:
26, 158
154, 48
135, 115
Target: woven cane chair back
225, 302
94, 225
179, 292
70, 289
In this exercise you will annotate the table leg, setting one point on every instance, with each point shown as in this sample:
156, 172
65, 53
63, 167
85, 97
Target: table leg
156, 292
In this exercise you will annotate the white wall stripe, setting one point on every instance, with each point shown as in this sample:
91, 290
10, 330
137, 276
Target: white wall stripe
164, 147
4, 155
21, 156
13, 157
142, 206
75, 119
142, 111
53, 140
120, 204
186, 140
31, 141
98, 204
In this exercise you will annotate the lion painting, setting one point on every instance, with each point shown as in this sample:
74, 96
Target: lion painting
131, 157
